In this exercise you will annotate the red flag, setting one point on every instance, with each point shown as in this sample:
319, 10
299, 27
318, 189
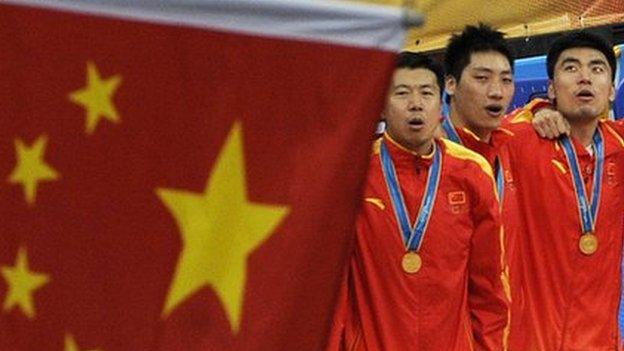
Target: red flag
182, 178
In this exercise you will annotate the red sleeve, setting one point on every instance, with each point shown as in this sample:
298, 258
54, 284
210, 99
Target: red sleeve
487, 299
525, 113
336, 335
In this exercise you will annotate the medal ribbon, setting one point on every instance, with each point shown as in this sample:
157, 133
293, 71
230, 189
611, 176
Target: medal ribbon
412, 236
451, 134
588, 212
450, 131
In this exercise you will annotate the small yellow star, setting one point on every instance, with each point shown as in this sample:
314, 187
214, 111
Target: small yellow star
97, 97
31, 168
220, 228
22, 284
71, 345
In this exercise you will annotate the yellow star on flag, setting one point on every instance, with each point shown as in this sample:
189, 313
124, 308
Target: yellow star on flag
220, 228
31, 168
71, 345
22, 283
97, 97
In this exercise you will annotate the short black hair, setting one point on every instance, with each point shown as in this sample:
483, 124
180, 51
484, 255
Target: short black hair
481, 38
580, 39
413, 60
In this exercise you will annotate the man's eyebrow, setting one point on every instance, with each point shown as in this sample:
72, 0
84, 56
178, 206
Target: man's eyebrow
483, 69
398, 86
418, 86
598, 62
570, 60
426, 86
489, 70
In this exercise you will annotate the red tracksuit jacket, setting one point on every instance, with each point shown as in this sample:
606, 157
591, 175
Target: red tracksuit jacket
568, 301
457, 300
491, 150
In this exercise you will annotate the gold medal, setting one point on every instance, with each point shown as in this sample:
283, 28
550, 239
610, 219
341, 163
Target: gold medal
588, 243
411, 262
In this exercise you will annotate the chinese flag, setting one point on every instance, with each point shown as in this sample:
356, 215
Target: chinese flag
181, 186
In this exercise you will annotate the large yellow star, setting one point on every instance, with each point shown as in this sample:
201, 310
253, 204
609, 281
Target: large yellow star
22, 284
97, 97
71, 345
220, 228
31, 168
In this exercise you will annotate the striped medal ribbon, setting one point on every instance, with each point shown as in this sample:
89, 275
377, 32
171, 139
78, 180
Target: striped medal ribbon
412, 235
588, 208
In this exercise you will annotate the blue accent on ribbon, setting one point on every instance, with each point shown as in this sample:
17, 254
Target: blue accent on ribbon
395, 193
588, 212
412, 236
599, 152
500, 180
450, 131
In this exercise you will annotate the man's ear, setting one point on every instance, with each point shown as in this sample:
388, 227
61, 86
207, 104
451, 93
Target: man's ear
551, 90
612, 93
450, 84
